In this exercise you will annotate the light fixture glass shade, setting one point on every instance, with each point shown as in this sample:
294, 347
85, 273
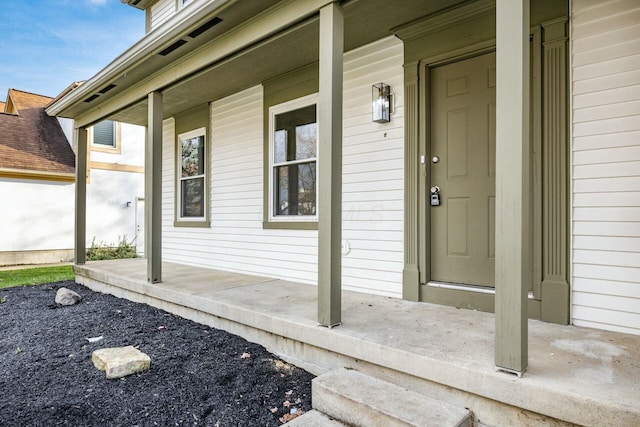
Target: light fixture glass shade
380, 103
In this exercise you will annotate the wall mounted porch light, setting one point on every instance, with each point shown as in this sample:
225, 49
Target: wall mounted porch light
381, 103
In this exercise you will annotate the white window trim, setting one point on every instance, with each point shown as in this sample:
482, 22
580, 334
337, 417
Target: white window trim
181, 137
294, 104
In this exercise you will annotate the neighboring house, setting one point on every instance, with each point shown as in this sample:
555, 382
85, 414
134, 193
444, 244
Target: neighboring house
506, 175
37, 175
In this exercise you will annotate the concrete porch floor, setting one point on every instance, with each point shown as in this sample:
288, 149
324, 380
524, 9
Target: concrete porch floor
576, 375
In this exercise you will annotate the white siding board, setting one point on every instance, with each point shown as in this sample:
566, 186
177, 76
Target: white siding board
610, 258
597, 185
608, 126
615, 50
607, 319
595, 200
612, 81
623, 214
606, 243
161, 11
607, 17
625, 289
607, 155
627, 63
605, 40
608, 111
606, 164
607, 302
613, 328
602, 228
615, 140
604, 272
606, 169
605, 97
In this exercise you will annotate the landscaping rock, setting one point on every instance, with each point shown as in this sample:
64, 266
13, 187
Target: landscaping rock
66, 296
119, 362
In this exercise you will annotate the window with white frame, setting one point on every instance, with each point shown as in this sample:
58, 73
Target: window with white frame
192, 166
293, 147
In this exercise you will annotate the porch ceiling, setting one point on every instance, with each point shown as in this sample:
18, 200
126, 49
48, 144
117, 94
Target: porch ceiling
365, 21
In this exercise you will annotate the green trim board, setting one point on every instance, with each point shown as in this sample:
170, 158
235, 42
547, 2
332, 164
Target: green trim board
330, 105
462, 297
292, 85
153, 188
80, 219
187, 121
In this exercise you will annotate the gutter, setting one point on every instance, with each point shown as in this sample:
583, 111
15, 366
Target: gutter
138, 53
65, 92
36, 174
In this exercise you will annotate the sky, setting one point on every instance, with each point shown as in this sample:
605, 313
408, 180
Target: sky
45, 45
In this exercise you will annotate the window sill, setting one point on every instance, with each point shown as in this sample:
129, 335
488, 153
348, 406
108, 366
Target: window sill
290, 225
192, 224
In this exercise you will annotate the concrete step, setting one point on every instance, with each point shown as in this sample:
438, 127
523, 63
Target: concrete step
314, 418
359, 400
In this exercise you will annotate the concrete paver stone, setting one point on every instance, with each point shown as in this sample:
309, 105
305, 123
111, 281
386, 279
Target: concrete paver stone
118, 362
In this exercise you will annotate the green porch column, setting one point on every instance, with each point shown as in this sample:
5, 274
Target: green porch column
330, 165
153, 189
512, 186
80, 220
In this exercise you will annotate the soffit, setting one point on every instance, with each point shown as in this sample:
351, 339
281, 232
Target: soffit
365, 21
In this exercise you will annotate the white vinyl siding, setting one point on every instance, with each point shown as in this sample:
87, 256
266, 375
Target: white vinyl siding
160, 12
606, 164
373, 172
372, 200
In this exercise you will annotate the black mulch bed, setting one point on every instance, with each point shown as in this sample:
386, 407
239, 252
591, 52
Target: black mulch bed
198, 376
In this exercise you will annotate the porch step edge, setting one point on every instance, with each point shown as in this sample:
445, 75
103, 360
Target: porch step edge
314, 418
360, 400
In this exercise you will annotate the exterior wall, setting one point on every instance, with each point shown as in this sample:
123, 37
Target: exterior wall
606, 164
373, 188
36, 215
160, 12
110, 217
373, 172
37, 222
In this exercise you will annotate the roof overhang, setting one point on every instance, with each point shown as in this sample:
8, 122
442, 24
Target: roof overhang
37, 175
255, 41
138, 4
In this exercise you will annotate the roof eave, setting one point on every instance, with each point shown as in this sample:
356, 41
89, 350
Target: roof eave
144, 48
138, 4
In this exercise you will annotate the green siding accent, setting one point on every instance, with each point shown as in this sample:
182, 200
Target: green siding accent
292, 85
186, 121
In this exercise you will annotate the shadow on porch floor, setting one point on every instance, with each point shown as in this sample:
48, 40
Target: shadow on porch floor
577, 375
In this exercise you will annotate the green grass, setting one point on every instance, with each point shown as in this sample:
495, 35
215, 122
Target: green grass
35, 276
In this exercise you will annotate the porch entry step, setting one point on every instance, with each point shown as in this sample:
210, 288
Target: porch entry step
360, 400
